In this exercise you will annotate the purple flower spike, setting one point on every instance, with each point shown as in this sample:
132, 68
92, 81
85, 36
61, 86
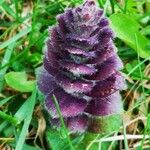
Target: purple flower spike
81, 68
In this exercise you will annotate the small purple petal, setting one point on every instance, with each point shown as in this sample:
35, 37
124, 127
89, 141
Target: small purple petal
105, 106
62, 25
77, 124
89, 3
74, 86
110, 85
98, 16
105, 35
51, 56
78, 69
69, 16
52, 69
81, 42
103, 22
50, 46
55, 122
56, 39
78, 51
70, 106
107, 68
46, 82
102, 54
86, 30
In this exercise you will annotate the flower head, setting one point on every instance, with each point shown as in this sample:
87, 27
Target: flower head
81, 69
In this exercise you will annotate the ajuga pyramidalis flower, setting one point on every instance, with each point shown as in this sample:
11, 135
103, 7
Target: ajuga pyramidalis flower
81, 68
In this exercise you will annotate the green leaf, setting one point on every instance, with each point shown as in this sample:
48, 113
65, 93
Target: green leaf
106, 125
55, 139
18, 81
126, 28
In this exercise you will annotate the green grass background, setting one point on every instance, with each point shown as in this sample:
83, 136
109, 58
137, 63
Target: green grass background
23, 31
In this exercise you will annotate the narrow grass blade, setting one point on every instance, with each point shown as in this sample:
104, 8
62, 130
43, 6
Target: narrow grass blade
6, 8
27, 120
15, 38
5, 60
1, 2
5, 100
125, 137
126, 6
137, 66
20, 115
147, 127
3, 126
112, 6
8, 118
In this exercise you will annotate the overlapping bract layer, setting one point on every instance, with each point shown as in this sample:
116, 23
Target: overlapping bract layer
81, 69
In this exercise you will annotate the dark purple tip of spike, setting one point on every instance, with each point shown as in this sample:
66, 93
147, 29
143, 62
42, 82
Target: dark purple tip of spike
89, 3
106, 34
103, 22
100, 13
69, 16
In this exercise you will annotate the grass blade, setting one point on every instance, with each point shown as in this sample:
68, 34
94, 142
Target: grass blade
5, 100
27, 120
5, 60
6, 8
8, 118
125, 137
15, 38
